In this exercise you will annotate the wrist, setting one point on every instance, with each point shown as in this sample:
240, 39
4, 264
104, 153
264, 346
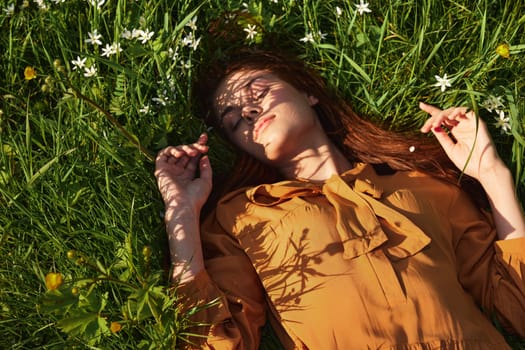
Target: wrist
493, 178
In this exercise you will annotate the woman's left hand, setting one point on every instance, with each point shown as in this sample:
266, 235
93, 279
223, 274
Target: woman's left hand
462, 142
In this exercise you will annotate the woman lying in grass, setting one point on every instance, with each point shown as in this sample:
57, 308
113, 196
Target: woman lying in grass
342, 234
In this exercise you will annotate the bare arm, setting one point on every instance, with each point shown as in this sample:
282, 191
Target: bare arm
238, 310
484, 163
184, 194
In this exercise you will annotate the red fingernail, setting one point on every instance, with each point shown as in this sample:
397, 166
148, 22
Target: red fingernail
438, 129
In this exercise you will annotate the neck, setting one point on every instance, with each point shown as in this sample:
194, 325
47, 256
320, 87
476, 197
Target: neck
316, 163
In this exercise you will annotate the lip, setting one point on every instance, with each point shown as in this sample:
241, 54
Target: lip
261, 125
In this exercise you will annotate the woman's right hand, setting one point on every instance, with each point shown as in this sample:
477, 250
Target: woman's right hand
176, 171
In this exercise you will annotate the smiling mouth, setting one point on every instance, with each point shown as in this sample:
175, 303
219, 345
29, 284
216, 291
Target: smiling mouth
261, 125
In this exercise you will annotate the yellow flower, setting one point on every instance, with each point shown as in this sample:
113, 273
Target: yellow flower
29, 73
53, 280
503, 50
115, 327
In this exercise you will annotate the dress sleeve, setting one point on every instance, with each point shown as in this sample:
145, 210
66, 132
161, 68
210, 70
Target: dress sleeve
491, 270
228, 295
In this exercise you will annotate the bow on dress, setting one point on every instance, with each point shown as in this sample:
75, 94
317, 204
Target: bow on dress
363, 222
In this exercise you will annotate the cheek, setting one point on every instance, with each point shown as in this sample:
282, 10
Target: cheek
241, 138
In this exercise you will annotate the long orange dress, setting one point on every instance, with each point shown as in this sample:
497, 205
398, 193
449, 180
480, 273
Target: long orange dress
361, 261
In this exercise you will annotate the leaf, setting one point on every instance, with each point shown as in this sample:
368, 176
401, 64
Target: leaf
7, 150
136, 305
78, 323
147, 302
46, 167
55, 300
352, 63
4, 176
187, 18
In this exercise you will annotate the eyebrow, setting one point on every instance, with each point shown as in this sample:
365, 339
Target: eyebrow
228, 109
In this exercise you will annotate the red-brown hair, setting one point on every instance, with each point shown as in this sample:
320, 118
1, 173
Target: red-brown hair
359, 139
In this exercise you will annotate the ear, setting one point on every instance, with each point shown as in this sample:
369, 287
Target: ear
312, 100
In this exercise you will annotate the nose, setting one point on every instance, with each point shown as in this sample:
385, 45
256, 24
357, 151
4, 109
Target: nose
250, 113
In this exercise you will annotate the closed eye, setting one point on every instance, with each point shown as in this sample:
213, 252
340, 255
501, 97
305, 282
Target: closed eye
230, 120
262, 94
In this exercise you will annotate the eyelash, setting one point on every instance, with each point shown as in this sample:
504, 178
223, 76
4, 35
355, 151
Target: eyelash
257, 98
236, 124
263, 94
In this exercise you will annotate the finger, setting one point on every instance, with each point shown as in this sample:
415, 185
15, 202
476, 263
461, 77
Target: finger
432, 110
450, 123
164, 155
203, 139
191, 165
449, 117
444, 139
456, 113
173, 156
176, 157
192, 150
205, 169
201, 143
431, 123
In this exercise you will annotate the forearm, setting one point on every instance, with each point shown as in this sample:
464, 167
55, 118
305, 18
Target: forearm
506, 209
183, 230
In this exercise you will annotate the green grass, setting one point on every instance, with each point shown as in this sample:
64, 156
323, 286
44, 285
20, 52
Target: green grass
77, 194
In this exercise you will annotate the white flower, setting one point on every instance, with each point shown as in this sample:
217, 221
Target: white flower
187, 65
126, 34
442, 82
195, 44
251, 31
493, 103
173, 53
190, 40
187, 40
145, 109
362, 7
108, 50
79, 63
90, 71
308, 38
192, 23
97, 3
41, 4
144, 36
94, 38
112, 49
9, 10
135, 33
58, 1
229, 16
338, 11
117, 48
161, 100
275, 1
502, 122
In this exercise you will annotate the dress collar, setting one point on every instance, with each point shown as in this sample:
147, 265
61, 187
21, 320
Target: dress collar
363, 221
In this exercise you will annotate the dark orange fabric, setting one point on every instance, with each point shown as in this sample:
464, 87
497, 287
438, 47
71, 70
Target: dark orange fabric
360, 261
